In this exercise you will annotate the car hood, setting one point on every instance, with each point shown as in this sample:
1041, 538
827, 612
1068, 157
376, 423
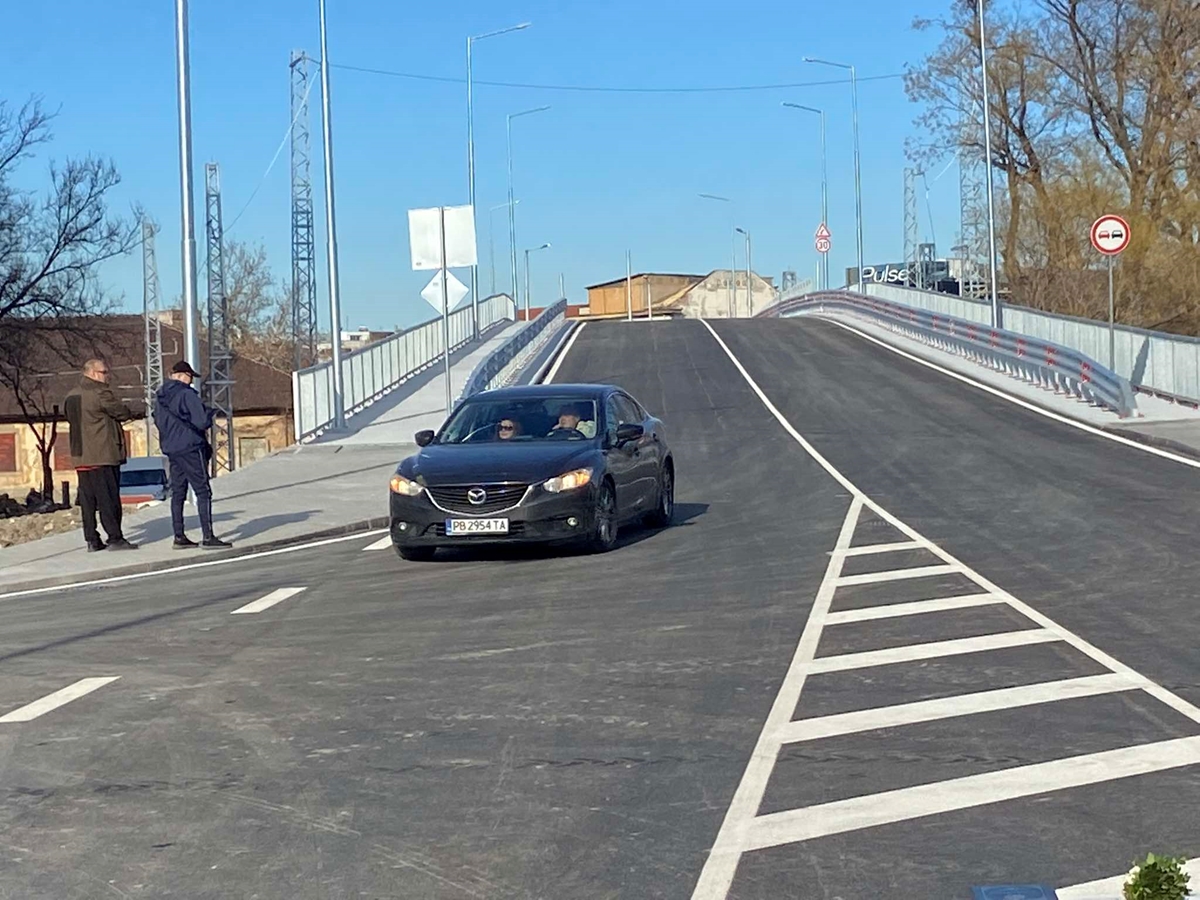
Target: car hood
495, 462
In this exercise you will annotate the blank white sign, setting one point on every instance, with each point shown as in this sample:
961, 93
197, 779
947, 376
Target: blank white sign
425, 239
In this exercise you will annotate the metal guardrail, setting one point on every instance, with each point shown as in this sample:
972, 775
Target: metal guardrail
1040, 362
377, 369
508, 358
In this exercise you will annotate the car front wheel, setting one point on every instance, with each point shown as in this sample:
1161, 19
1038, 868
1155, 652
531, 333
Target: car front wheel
604, 521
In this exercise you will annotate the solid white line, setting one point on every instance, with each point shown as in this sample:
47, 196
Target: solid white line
137, 576
932, 650
276, 596
59, 698
382, 544
1108, 888
872, 810
951, 707
917, 607
868, 549
721, 865
563, 353
1032, 407
896, 575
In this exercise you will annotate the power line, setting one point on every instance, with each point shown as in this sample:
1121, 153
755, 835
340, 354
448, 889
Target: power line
606, 89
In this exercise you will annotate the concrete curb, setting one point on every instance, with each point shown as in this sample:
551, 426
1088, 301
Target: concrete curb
190, 558
1153, 440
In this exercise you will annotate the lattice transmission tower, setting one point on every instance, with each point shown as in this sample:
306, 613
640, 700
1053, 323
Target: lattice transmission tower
304, 259
972, 198
218, 387
151, 314
912, 231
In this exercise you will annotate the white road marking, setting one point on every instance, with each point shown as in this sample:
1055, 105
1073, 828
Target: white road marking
1110, 888
563, 354
382, 544
228, 561
916, 607
896, 575
932, 650
276, 596
740, 829
869, 549
950, 707
59, 698
1032, 407
884, 808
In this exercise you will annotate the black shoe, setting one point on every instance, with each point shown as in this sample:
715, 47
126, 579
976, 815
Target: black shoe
185, 543
121, 544
98, 545
215, 543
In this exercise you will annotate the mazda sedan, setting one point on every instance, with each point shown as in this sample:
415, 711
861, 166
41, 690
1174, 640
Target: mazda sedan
538, 464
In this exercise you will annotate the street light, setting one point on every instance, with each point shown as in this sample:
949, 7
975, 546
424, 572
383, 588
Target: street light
512, 217
492, 243
545, 246
191, 338
749, 282
471, 164
857, 169
335, 297
733, 258
824, 187
987, 152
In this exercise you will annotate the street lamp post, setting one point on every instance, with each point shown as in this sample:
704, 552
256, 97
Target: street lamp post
191, 338
512, 218
733, 257
749, 281
857, 166
987, 153
824, 260
471, 164
335, 298
492, 243
545, 246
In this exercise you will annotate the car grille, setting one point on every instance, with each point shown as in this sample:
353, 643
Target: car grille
499, 496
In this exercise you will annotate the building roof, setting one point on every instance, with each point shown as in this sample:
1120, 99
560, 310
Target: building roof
120, 339
678, 298
637, 275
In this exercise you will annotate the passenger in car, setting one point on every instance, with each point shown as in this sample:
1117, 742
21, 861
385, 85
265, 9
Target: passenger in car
508, 428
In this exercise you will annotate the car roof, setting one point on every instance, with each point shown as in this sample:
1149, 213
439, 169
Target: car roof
548, 391
136, 463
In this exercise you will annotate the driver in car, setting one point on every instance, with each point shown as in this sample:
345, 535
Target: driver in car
569, 419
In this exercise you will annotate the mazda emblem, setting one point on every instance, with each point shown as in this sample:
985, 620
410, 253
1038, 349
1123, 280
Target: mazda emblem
477, 496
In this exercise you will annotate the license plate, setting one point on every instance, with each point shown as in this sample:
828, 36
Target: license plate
476, 526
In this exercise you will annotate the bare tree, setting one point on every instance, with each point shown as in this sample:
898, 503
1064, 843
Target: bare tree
259, 307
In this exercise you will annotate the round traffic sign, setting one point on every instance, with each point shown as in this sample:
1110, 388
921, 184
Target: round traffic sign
823, 245
1110, 235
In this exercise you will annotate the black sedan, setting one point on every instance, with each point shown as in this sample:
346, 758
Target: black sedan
536, 463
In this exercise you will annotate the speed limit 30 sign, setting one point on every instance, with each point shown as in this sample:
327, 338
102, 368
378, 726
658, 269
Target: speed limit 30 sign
1110, 235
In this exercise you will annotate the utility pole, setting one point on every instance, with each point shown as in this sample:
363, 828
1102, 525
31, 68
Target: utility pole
335, 299
151, 307
304, 254
191, 337
219, 385
987, 150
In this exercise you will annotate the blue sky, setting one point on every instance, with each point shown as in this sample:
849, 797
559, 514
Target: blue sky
596, 174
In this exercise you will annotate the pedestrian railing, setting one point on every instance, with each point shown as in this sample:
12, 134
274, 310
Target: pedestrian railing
1046, 364
378, 369
503, 365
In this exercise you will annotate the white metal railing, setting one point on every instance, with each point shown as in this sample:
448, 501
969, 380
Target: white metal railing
379, 368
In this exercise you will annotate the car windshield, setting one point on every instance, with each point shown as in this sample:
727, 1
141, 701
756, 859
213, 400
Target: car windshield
521, 420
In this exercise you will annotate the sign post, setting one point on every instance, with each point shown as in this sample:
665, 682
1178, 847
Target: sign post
1110, 235
823, 239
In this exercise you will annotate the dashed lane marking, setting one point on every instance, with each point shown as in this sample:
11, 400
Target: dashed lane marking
50, 702
382, 544
276, 596
744, 830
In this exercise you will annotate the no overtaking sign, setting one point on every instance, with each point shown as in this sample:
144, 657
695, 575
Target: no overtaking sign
1110, 235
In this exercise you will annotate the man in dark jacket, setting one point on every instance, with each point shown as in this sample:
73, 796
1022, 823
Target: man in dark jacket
97, 441
183, 422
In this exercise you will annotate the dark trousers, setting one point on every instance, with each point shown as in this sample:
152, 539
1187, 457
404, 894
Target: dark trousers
190, 469
100, 490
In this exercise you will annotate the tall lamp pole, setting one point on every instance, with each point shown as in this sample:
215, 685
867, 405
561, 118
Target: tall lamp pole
824, 260
191, 336
857, 166
749, 277
733, 256
512, 217
335, 298
471, 165
527, 252
987, 153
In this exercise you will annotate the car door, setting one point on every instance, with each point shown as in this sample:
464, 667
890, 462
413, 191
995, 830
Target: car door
645, 464
622, 462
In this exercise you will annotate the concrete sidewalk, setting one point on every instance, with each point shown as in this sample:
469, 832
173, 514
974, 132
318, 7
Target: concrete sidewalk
336, 485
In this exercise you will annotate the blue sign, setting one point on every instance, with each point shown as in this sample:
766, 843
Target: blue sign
1013, 892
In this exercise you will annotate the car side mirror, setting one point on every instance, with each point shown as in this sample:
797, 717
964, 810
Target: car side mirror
630, 431
425, 438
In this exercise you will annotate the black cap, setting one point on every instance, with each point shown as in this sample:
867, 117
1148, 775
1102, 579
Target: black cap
182, 368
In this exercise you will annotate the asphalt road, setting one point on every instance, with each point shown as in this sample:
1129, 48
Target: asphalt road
531, 725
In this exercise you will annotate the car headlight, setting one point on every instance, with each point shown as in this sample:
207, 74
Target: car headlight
404, 487
568, 481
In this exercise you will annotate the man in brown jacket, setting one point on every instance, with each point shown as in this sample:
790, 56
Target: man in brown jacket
95, 415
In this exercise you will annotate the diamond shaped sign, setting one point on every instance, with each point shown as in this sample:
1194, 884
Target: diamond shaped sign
455, 291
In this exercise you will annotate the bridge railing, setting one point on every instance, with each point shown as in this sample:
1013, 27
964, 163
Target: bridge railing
379, 368
1041, 362
508, 359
